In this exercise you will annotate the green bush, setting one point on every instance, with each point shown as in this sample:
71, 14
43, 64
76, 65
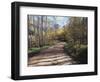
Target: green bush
82, 55
68, 48
77, 52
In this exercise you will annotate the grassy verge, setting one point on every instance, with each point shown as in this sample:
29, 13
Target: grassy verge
33, 51
77, 52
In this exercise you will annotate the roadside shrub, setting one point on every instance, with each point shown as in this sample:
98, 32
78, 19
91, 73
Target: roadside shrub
68, 48
82, 55
77, 52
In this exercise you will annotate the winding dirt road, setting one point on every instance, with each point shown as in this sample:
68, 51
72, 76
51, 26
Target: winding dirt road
54, 55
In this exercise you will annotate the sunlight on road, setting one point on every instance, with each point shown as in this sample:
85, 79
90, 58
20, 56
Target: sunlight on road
54, 55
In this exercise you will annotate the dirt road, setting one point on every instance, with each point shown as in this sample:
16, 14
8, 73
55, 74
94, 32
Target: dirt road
54, 55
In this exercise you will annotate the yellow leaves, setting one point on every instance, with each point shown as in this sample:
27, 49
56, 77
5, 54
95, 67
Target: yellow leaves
60, 31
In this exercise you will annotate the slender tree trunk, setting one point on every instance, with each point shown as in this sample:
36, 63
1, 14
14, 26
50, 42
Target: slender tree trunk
34, 32
42, 39
45, 35
38, 30
29, 37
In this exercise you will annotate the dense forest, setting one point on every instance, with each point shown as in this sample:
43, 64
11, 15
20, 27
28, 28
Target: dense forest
45, 31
